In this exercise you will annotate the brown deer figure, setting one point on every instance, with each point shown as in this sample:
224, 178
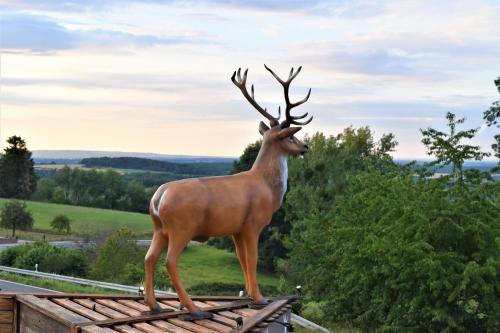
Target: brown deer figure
239, 205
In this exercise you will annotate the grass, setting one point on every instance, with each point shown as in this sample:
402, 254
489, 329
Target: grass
55, 285
202, 263
84, 220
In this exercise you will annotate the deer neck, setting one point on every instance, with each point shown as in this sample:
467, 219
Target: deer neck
271, 163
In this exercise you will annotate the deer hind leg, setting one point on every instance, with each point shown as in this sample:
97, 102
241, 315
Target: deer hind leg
175, 248
251, 240
241, 253
158, 244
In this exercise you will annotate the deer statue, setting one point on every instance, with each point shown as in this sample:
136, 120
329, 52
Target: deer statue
240, 205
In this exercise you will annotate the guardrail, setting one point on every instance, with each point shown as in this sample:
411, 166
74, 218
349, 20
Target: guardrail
87, 282
131, 289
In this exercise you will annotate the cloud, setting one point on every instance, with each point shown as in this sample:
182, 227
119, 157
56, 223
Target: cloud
34, 33
39, 35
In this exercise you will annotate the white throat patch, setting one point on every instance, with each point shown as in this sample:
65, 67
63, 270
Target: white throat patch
284, 175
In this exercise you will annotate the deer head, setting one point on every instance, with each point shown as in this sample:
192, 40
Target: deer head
279, 134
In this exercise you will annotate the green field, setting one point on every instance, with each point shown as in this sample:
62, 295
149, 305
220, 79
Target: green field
84, 220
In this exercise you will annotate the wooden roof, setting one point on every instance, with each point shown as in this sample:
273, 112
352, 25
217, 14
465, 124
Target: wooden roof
91, 313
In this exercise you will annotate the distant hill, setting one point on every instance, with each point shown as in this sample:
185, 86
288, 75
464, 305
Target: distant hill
480, 165
136, 163
74, 156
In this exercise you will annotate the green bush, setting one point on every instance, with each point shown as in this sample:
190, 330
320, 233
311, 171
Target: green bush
61, 223
115, 253
49, 258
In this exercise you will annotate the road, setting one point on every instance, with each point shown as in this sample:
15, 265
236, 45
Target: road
8, 286
68, 244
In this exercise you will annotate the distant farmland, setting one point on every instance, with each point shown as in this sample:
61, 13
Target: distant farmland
87, 221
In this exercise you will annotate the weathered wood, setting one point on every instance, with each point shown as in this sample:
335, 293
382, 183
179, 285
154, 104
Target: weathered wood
113, 313
191, 326
214, 325
32, 321
104, 310
6, 304
127, 329
246, 312
6, 328
134, 305
169, 327
96, 329
218, 318
6, 317
167, 315
266, 312
81, 310
50, 310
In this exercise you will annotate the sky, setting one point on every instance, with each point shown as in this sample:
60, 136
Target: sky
154, 76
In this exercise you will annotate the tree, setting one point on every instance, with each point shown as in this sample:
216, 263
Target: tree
14, 215
491, 116
448, 148
17, 173
61, 223
116, 252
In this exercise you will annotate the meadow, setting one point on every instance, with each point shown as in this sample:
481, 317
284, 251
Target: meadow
85, 221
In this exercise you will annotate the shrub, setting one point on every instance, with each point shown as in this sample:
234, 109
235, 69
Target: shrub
116, 252
61, 223
49, 258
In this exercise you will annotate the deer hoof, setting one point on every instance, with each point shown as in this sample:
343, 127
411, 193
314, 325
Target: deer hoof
199, 314
259, 305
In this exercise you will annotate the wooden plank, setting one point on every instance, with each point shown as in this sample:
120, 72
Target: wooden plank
172, 303
246, 312
161, 305
217, 317
118, 307
112, 313
6, 317
51, 310
104, 310
96, 329
166, 315
145, 327
6, 328
77, 308
263, 314
127, 329
6, 304
191, 326
170, 327
214, 325
134, 305
32, 320
229, 314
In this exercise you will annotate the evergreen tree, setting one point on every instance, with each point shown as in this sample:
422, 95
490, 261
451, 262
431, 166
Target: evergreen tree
17, 173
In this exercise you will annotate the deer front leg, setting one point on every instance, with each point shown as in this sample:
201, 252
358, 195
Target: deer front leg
158, 244
251, 240
241, 253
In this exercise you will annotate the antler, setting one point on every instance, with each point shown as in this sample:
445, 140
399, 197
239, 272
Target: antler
241, 84
291, 120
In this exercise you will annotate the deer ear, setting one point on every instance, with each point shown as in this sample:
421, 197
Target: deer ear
263, 128
286, 132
